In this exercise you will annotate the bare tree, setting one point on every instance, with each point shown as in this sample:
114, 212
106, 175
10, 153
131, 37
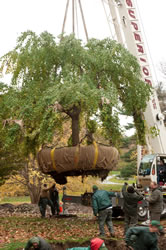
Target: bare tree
31, 178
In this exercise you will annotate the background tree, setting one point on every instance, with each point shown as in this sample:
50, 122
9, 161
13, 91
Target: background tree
11, 156
128, 157
161, 93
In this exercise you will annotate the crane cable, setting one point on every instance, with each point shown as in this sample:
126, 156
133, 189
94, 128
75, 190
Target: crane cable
65, 16
108, 21
76, 11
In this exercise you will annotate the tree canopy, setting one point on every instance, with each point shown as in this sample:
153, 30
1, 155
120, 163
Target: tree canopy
55, 80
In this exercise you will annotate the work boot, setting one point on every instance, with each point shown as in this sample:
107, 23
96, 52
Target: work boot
102, 236
112, 235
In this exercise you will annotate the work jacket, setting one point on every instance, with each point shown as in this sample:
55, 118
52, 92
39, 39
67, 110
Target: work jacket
130, 201
140, 238
43, 245
101, 200
155, 201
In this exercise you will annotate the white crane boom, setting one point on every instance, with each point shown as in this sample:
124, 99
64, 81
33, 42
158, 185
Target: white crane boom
128, 32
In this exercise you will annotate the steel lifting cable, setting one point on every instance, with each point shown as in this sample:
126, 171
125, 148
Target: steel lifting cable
73, 15
83, 19
76, 11
146, 41
108, 21
65, 16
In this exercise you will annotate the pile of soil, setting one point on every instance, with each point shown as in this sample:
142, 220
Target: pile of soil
33, 209
25, 208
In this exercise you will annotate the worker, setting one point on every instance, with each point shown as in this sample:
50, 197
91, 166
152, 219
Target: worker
102, 206
161, 172
155, 202
54, 196
45, 200
37, 243
95, 244
131, 198
143, 238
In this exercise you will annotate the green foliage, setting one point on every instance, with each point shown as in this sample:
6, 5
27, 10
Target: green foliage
127, 140
111, 125
154, 131
140, 126
54, 82
92, 126
128, 158
129, 170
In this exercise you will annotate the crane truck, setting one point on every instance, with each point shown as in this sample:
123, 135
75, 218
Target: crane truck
152, 166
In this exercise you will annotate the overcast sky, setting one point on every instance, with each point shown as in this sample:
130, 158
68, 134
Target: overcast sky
17, 16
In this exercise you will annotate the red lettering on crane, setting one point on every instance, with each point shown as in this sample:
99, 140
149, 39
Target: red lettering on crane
137, 37
142, 59
135, 25
148, 81
140, 48
146, 71
131, 13
129, 3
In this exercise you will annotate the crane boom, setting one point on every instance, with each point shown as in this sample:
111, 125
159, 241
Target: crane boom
128, 32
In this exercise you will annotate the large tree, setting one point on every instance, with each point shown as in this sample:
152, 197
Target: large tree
55, 81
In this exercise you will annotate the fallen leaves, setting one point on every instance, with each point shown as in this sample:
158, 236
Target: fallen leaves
21, 229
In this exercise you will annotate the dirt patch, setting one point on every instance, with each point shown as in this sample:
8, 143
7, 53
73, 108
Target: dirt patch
162, 242
110, 244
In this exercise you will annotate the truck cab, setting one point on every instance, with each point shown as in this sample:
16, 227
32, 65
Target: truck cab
152, 168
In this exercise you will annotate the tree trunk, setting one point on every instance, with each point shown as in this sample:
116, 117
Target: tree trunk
74, 113
75, 130
34, 193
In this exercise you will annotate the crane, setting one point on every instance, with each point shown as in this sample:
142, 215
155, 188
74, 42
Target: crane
128, 32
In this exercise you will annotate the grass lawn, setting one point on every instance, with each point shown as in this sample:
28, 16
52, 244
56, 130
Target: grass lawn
15, 200
111, 187
117, 180
114, 172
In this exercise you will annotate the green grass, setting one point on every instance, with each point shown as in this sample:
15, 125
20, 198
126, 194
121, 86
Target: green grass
114, 172
13, 246
110, 187
19, 199
117, 180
